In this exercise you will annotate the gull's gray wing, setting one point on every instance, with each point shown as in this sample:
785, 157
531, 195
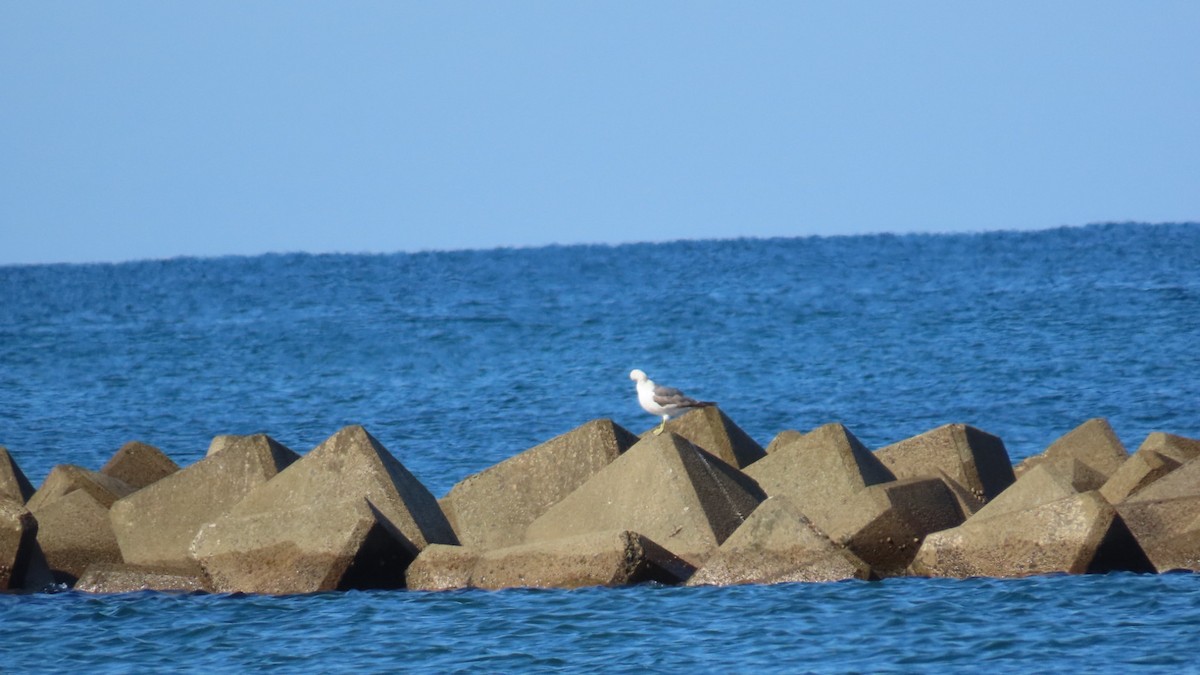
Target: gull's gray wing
670, 396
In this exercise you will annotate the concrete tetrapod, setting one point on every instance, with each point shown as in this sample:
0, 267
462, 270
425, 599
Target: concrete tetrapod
155, 526
712, 431
778, 544
1093, 443
819, 471
138, 465
346, 515
664, 488
975, 460
493, 508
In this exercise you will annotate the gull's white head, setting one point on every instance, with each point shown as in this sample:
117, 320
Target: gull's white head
637, 376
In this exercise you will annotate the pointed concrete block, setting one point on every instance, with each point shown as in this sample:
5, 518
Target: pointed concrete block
493, 508
976, 460
66, 478
348, 514
1158, 455
884, 524
18, 538
1167, 529
783, 438
1179, 448
155, 526
664, 488
712, 431
1164, 516
139, 465
441, 567
1076, 535
1183, 481
312, 548
1042, 484
819, 470
611, 559
1094, 443
123, 578
778, 544
13, 483
1141, 469
221, 442
74, 532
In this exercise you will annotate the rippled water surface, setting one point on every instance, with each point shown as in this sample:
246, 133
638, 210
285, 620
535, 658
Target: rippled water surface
458, 360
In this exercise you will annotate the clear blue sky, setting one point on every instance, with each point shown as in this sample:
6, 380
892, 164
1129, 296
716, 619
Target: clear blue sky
154, 129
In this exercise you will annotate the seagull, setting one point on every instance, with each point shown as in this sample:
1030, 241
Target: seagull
663, 401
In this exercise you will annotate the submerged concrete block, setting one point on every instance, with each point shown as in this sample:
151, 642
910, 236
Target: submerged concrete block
138, 465
74, 532
1093, 443
618, 558
664, 488
22, 566
493, 508
155, 526
1164, 516
819, 470
442, 567
974, 459
778, 544
1078, 534
337, 546
1167, 529
123, 578
712, 431
346, 515
14, 485
884, 524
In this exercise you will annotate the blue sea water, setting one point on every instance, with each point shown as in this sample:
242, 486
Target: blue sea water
457, 360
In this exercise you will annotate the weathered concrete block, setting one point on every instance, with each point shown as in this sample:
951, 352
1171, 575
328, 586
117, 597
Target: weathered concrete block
1092, 443
138, 465
155, 526
1184, 481
74, 532
617, 558
974, 459
1164, 516
1167, 529
778, 544
819, 470
66, 478
1076, 535
346, 515
14, 485
1141, 469
1158, 455
493, 508
340, 546
18, 541
664, 488
884, 524
712, 431
1044, 483
122, 578
1179, 448
441, 567
220, 442
783, 438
